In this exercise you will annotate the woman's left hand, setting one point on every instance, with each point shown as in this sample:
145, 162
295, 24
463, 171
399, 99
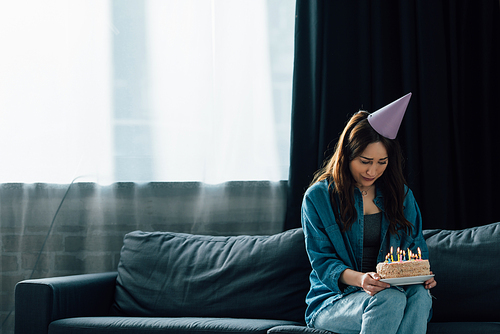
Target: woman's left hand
430, 283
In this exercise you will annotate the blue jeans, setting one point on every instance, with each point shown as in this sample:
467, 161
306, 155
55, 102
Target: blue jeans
398, 310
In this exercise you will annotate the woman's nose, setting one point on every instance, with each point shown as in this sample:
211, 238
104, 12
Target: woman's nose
372, 170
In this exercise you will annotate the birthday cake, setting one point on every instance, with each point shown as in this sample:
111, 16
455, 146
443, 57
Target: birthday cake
403, 265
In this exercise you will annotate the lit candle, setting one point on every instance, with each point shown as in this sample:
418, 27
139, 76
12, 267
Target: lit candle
392, 259
419, 254
404, 256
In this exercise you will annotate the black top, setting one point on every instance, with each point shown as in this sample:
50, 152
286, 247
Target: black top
371, 241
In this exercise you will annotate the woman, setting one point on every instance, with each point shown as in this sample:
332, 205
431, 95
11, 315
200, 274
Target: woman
356, 208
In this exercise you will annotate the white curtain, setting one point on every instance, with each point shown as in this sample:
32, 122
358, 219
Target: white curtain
199, 90
55, 86
171, 115
135, 100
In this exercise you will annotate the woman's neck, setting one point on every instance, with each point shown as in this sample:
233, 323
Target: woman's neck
365, 191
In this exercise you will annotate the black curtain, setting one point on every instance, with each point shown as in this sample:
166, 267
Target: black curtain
352, 55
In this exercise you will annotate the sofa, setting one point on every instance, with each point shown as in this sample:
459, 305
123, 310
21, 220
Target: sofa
182, 283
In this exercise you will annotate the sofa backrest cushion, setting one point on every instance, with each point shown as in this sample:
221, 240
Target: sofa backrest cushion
466, 264
180, 275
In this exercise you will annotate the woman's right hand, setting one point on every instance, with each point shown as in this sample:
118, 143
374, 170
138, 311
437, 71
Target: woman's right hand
371, 284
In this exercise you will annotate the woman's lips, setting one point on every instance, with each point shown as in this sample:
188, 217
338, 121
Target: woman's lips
368, 179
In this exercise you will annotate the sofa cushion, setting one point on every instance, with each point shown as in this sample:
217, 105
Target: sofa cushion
466, 264
182, 275
288, 329
123, 325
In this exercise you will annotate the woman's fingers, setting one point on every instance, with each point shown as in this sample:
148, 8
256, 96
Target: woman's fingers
372, 285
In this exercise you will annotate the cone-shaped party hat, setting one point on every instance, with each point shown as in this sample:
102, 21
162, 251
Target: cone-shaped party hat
387, 120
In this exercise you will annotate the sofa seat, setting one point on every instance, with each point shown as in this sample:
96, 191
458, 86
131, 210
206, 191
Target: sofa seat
463, 327
111, 325
191, 325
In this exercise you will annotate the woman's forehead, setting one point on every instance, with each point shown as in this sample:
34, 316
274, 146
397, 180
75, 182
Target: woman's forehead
375, 151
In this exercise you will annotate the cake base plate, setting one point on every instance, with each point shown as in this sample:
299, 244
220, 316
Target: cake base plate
407, 280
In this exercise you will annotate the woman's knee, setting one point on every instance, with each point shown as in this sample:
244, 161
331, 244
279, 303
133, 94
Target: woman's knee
418, 295
392, 297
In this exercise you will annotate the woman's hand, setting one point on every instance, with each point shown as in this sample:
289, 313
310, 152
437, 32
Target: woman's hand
430, 283
370, 282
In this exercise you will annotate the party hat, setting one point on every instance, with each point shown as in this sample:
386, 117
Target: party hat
387, 120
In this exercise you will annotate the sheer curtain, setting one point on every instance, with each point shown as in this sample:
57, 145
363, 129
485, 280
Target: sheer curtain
145, 90
55, 90
137, 115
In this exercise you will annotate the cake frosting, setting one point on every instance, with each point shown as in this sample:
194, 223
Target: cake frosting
404, 266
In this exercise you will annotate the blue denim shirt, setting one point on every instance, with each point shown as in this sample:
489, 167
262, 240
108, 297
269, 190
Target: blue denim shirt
331, 251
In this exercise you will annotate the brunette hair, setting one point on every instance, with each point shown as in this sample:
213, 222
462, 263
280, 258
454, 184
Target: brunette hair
357, 135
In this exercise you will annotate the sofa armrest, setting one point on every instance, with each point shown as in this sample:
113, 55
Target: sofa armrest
41, 301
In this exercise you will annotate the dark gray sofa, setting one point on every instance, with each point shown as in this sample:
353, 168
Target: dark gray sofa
182, 283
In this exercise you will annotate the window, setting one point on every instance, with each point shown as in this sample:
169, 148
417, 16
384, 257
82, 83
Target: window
179, 90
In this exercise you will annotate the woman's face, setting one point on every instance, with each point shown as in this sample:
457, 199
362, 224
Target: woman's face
370, 165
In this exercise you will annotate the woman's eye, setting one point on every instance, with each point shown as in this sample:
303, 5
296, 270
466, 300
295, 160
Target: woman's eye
365, 162
383, 163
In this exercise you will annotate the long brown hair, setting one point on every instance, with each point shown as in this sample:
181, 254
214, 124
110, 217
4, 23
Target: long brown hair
357, 135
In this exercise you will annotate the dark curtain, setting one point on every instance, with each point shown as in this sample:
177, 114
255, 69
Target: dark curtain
352, 55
